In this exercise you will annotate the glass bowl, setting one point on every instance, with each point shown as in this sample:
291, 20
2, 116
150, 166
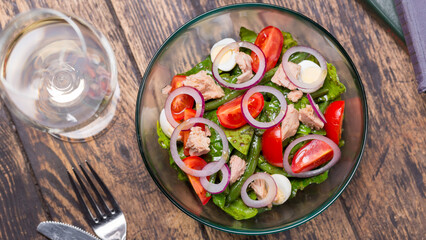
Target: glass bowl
189, 45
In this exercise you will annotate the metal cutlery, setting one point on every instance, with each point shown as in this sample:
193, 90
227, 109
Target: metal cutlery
107, 223
63, 231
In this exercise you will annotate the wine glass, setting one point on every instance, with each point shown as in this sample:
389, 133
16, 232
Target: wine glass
58, 74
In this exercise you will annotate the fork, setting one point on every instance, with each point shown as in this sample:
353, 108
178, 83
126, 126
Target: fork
109, 224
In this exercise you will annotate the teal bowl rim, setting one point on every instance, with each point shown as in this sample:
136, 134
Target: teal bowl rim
319, 209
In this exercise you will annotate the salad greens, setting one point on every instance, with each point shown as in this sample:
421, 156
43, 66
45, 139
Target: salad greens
205, 65
163, 140
247, 35
237, 209
302, 183
240, 138
246, 141
332, 83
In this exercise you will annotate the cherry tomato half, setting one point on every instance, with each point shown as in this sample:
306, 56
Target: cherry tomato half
197, 163
334, 116
313, 154
272, 146
231, 116
181, 102
271, 41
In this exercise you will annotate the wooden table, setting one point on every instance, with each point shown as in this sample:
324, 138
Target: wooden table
385, 200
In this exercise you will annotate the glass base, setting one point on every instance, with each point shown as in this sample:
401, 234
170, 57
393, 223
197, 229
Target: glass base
96, 128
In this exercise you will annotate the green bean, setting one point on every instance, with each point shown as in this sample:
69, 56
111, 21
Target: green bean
319, 93
234, 94
324, 105
263, 117
253, 156
268, 75
262, 164
216, 103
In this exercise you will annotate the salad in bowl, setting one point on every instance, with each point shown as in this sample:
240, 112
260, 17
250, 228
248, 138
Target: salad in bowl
254, 123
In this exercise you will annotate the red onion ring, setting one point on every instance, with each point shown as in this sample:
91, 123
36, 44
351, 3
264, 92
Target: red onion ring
305, 87
220, 187
272, 191
235, 46
263, 125
316, 109
194, 93
334, 160
210, 168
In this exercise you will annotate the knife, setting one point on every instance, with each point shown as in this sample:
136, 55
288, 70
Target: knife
63, 231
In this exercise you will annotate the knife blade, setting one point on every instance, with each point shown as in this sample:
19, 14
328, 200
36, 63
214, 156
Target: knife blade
63, 231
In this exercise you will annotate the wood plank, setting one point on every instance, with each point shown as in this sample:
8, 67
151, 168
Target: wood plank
21, 204
115, 155
21, 208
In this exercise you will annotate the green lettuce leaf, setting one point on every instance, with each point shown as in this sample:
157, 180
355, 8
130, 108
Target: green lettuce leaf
240, 138
181, 174
237, 209
300, 184
205, 65
163, 140
247, 35
332, 83
216, 146
288, 41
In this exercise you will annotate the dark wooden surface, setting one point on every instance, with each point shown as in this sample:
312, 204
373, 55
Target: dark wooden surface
385, 200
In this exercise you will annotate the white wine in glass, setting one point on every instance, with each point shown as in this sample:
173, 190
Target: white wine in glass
58, 74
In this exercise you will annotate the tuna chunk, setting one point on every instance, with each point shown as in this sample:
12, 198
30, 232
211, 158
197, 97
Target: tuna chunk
166, 89
290, 124
238, 166
205, 84
259, 187
281, 78
295, 95
309, 118
198, 142
244, 62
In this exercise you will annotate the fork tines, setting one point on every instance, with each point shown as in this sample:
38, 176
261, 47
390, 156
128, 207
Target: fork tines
107, 212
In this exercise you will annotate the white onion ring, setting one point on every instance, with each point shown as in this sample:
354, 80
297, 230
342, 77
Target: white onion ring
220, 187
194, 93
316, 109
334, 160
235, 46
270, 196
305, 87
246, 113
210, 168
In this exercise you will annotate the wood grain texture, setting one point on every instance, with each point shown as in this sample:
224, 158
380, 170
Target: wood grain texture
21, 208
385, 200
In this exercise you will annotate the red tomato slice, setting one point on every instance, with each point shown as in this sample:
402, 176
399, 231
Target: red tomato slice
231, 116
334, 116
181, 102
272, 146
271, 41
313, 154
197, 163
189, 113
